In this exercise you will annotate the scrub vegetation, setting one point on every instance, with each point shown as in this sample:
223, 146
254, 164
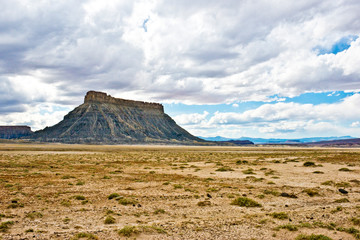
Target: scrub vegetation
162, 192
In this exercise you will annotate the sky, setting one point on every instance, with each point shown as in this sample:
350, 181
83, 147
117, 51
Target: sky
264, 68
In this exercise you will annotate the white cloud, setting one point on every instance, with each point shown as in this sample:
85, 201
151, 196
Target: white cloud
37, 117
355, 124
344, 110
193, 52
193, 118
286, 120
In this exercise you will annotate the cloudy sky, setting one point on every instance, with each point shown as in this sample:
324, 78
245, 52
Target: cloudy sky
263, 68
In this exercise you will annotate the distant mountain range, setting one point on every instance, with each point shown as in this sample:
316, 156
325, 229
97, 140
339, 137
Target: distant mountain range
277, 140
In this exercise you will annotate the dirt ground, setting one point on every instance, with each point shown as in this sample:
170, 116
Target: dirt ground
59, 191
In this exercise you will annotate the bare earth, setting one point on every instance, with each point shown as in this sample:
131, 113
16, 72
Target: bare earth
161, 192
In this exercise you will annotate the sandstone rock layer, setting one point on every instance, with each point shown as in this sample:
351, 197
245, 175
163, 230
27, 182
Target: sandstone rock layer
103, 119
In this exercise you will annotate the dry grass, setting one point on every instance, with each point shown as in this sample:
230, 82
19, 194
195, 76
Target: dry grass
162, 192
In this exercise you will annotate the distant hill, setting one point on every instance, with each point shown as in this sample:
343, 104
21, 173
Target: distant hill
103, 119
277, 140
338, 143
12, 132
238, 142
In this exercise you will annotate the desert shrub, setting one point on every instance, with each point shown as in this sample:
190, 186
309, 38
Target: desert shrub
108, 212
109, 220
224, 169
204, 203
212, 189
328, 183
337, 209
66, 203
113, 195
353, 231
127, 201
345, 170
127, 231
311, 192
343, 184
4, 226
261, 196
80, 183
312, 237
356, 221
330, 226
271, 192
342, 200
88, 236
355, 181
270, 172
152, 228
159, 211
34, 215
309, 164
289, 227
245, 202
305, 225
254, 179
178, 186
248, 171
67, 177
79, 197
318, 172
263, 221
15, 205
242, 162
280, 215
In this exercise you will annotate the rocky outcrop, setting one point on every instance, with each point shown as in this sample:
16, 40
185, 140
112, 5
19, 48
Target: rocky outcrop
11, 132
103, 119
100, 97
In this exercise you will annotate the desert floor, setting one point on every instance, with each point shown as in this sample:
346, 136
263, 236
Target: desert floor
162, 192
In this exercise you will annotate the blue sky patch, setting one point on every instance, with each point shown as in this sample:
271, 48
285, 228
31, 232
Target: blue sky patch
54, 109
306, 98
144, 24
319, 98
339, 46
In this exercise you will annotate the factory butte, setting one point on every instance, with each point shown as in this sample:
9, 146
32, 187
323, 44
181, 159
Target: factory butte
103, 119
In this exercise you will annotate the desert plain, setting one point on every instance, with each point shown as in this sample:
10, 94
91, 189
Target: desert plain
56, 191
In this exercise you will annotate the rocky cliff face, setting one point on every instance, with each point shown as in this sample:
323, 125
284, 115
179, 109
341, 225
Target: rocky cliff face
100, 97
11, 132
102, 119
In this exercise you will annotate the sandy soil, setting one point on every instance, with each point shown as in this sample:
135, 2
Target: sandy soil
161, 192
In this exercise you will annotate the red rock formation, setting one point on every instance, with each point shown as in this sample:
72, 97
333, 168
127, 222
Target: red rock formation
9, 132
